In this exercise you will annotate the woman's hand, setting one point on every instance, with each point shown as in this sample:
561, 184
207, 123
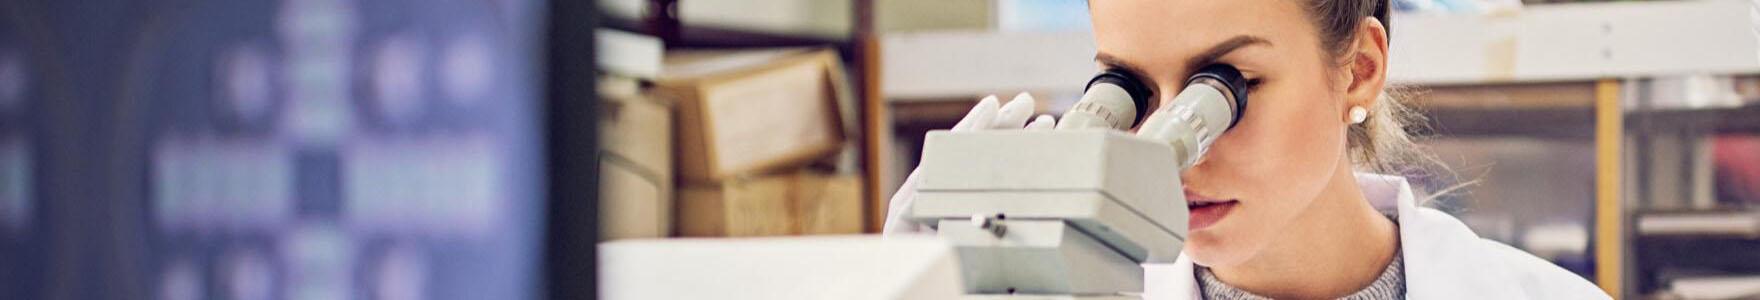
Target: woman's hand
987, 115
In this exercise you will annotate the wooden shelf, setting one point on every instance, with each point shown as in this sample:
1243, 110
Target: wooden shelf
930, 114
1559, 122
1577, 122
1744, 119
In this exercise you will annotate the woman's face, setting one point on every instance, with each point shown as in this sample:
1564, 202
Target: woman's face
1289, 144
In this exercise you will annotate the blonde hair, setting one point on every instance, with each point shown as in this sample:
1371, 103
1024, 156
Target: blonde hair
1384, 143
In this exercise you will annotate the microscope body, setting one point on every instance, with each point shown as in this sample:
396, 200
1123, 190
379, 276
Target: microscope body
1040, 213
1075, 212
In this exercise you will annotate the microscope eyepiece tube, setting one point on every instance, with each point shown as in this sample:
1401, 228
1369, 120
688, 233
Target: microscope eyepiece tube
1112, 99
1231, 81
1213, 101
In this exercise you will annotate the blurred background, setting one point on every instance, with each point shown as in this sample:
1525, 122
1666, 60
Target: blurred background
477, 149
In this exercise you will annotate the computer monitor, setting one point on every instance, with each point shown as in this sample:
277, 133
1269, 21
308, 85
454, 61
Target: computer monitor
277, 149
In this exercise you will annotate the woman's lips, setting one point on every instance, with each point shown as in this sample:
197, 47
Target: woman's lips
1206, 211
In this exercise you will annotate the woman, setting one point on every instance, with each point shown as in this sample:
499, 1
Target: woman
1278, 209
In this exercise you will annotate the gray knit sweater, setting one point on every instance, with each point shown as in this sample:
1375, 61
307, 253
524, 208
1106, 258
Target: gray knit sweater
1390, 285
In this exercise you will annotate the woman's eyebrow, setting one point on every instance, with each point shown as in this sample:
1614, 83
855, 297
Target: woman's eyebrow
1221, 49
1205, 58
1115, 62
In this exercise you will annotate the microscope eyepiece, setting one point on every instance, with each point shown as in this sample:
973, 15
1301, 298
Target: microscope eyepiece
1112, 99
1213, 101
1231, 82
1139, 92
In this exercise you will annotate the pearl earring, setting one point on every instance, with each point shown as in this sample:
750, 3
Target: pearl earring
1358, 114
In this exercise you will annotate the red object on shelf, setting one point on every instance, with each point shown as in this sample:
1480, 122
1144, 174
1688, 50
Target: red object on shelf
1737, 160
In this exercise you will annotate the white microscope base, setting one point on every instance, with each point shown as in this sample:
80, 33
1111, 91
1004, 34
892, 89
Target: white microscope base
1088, 177
1079, 210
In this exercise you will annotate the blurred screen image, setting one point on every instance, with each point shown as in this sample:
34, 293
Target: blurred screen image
298, 149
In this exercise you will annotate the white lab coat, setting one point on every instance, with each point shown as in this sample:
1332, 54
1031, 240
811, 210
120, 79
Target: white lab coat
1443, 258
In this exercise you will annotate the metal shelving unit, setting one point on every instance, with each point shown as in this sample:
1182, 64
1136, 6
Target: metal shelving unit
1656, 258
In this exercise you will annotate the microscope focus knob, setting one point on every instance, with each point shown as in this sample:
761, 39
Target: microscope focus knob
993, 223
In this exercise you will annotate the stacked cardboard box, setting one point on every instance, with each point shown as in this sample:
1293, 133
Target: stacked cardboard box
804, 202
749, 124
636, 169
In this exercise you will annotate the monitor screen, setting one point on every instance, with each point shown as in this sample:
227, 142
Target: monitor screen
272, 149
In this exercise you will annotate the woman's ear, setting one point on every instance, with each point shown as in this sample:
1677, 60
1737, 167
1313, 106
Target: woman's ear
1366, 65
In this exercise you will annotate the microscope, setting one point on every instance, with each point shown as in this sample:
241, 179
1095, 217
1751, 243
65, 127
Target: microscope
1073, 213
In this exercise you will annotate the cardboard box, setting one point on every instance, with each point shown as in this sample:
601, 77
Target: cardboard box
801, 203
632, 204
750, 113
636, 127
636, 178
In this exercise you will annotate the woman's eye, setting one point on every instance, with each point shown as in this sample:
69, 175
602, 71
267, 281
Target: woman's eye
1253, 84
